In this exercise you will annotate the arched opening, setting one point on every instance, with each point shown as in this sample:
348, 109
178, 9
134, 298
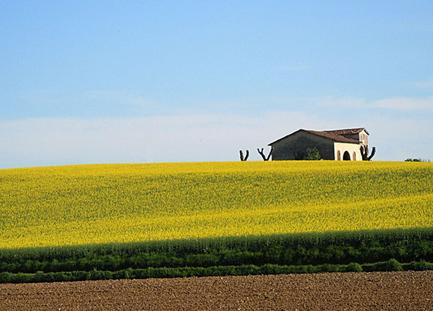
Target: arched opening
354, 156
346, 156
338, 155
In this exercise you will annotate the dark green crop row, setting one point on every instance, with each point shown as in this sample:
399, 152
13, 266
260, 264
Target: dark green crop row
390, 265
306, 250
284, 250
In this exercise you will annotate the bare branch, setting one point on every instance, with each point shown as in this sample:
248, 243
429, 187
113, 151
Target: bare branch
373, 152
264, 157
241, 154
364, 153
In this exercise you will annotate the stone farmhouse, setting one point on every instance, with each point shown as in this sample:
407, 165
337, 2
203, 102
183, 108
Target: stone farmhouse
344, 144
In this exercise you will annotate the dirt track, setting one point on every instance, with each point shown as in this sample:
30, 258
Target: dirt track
336, 291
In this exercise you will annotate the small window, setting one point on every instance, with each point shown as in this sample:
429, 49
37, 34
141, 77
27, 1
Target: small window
354, 156
338, 155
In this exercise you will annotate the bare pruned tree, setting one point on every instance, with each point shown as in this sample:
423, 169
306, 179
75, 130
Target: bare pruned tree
244, 157
364, 153
261, 152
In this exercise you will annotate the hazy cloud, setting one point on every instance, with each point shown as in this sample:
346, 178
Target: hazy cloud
295, 67
148, 139
391, 103
405, 103
426, 84
81, 104
341, 102
200, 137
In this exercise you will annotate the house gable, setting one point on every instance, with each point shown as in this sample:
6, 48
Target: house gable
358, 134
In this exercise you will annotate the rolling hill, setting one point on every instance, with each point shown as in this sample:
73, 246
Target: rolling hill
91, 204
50, 214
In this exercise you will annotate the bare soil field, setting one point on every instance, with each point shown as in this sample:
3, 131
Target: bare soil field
327, 291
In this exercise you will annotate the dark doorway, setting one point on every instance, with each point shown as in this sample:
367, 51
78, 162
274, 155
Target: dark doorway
346, 156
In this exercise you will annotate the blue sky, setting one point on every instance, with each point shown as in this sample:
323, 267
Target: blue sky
153, 81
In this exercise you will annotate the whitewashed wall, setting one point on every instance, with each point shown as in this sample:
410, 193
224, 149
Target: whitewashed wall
351, 148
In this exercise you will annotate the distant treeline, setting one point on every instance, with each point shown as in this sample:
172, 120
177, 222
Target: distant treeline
416, 160
361, 251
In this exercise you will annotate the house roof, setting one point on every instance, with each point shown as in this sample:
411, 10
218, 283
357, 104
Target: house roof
349, 131
334, 135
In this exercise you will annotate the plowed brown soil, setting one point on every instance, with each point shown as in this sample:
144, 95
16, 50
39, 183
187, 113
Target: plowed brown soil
333, 291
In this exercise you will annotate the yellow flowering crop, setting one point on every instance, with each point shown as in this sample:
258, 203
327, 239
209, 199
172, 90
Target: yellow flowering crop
90, 204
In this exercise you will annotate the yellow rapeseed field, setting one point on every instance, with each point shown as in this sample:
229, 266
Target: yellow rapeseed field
91, 204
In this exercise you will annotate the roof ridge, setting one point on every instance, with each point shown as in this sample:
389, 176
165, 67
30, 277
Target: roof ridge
332, 135
354, 130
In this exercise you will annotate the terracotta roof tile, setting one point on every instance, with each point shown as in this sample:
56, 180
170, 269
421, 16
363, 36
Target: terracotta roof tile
348, 131
334, 135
